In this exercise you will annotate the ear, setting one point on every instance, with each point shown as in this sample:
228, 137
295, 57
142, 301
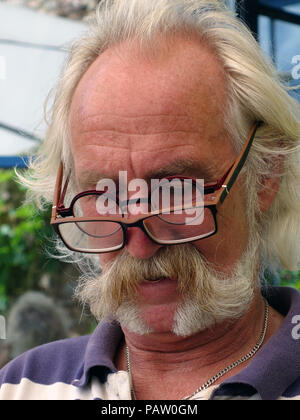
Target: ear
270, 186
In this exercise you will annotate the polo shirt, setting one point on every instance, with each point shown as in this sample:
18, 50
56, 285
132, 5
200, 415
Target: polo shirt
83, 367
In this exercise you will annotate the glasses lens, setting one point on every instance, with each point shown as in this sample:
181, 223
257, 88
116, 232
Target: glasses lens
176, 194
180, 228
95, 205
92, 236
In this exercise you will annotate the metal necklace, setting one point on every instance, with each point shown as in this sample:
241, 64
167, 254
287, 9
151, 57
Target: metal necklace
222, 372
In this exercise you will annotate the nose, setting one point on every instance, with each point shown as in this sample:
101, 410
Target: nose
139, 245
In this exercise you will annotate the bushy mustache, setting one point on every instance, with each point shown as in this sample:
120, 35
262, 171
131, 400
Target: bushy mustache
208, 296
180, 263
120, 278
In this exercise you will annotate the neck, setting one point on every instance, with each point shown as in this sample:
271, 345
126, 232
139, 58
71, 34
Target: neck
226, 337
164, 356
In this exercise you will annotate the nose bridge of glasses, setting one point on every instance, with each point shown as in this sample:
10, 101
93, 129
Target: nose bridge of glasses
135, 207
136, 224
134, 229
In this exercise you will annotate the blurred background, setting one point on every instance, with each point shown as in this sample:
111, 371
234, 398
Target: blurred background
35, 289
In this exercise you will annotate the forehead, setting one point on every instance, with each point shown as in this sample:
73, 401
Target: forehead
135, 113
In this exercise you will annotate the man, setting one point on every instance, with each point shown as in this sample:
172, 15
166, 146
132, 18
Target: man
157, 90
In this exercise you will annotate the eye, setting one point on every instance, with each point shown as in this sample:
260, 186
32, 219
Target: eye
95, 205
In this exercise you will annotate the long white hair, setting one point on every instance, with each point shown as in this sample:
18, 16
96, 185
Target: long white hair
255, 93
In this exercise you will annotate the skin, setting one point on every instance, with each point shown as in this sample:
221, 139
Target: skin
139, 115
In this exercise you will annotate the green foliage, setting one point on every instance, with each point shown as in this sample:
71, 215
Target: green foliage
290, 278
22, 241
283, 278
25, 264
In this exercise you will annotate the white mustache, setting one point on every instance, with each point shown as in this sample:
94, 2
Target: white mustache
207, 296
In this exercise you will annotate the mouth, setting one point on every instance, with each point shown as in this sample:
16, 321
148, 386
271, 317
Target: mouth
156, 291
154, 280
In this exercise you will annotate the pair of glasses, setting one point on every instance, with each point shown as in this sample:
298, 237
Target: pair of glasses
83, 227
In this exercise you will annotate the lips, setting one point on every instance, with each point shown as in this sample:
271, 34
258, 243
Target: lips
153, 280
157, 291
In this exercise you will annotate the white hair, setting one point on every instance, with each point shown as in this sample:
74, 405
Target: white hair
255, 93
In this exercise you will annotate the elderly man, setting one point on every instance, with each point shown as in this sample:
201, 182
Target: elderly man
164, 90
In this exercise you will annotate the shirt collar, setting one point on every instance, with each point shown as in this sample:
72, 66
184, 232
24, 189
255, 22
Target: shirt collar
277, 364
100, 351
270, 372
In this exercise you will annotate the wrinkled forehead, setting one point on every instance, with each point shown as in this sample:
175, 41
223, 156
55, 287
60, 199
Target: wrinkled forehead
127, 105
188, 76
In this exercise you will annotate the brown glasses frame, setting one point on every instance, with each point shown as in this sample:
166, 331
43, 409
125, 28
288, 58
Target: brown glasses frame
220, 190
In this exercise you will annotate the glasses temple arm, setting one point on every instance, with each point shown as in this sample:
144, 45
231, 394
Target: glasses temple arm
240, 164
57, 191
60, 204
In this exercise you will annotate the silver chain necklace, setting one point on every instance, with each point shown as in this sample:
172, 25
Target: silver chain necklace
213, 379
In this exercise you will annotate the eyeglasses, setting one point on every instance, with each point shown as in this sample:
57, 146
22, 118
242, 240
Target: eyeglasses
84, 228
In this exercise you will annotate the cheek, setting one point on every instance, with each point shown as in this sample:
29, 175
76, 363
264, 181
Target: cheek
226, 247
107, 258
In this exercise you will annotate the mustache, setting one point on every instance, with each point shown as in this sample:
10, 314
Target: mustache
208, 295
179, 262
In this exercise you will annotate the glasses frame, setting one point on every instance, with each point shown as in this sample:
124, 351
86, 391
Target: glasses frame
220, 190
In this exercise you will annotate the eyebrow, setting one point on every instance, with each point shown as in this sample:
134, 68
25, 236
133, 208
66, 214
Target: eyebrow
184, 166
181, 166
89, 179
